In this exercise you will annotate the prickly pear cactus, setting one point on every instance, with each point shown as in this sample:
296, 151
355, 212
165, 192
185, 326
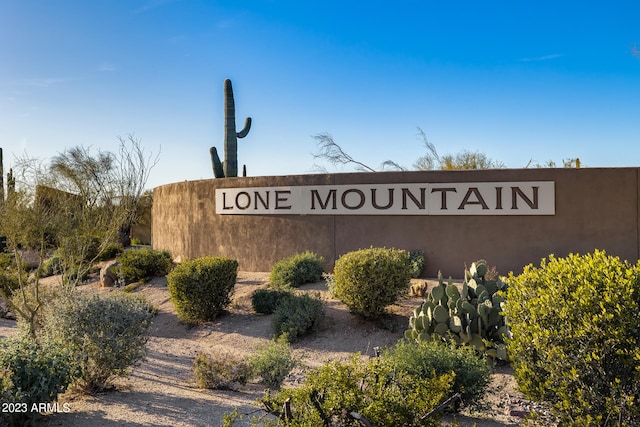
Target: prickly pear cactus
229, 168
470, 315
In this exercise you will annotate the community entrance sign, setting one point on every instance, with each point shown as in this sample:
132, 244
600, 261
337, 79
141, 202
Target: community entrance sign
459, 198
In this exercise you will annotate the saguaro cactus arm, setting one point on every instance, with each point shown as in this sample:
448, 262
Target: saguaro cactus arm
218, 169
245, 130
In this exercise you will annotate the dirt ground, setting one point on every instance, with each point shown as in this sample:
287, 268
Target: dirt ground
160, 391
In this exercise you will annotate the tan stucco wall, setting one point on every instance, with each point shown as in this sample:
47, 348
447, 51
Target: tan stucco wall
595, 209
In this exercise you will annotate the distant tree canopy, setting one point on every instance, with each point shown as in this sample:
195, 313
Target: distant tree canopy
572, 162
331, 152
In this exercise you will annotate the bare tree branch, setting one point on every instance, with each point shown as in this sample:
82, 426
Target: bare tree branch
331, 152
431, 160
391, 165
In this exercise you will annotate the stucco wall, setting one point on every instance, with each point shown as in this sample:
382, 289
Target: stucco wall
594, 208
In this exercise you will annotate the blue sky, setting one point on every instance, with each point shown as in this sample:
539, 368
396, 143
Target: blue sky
516, 80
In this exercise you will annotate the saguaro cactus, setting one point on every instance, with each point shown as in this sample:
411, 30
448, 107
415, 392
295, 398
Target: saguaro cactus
229, 168
11, 185
1, 179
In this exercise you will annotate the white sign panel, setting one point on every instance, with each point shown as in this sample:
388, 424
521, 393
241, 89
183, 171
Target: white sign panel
471, 198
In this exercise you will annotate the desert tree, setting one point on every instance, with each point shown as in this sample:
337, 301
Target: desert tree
75, 205
328, 150
571, 162
334, 154
105, 179
468, 160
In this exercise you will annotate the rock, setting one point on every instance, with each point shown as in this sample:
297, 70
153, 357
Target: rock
108, 276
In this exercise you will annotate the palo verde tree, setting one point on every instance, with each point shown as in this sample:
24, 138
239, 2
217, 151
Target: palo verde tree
332, 152
75, 205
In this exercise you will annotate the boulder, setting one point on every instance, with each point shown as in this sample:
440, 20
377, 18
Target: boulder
108, 276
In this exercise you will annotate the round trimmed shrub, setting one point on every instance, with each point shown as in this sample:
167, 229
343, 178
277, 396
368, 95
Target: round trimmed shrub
296, 315
297, 270
576, 327
423, 359
139, 264
265, 301
371, 279
201, 288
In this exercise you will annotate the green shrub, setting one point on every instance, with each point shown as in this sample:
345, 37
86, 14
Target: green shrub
30, 373
30, 301
373, 389
51, 266
90, 245
273, 362
297, 270
296, 316
8, 282
265, 301
201, 288
143, 263
6, 260
110, 251
421, 359
416, 259
219, 370
576, 327
106, 336
369, 280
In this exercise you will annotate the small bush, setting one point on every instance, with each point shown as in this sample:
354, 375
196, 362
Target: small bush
219, 370
6, 260
140, 264
265, 301
373, 389
369, 280
416, 259
105, 336
89, 246
30, 373
110, 251
420, 360
8, 282
30, 301
51, 266
273, 362
576, 326
296, 316
201, 288
297, 270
